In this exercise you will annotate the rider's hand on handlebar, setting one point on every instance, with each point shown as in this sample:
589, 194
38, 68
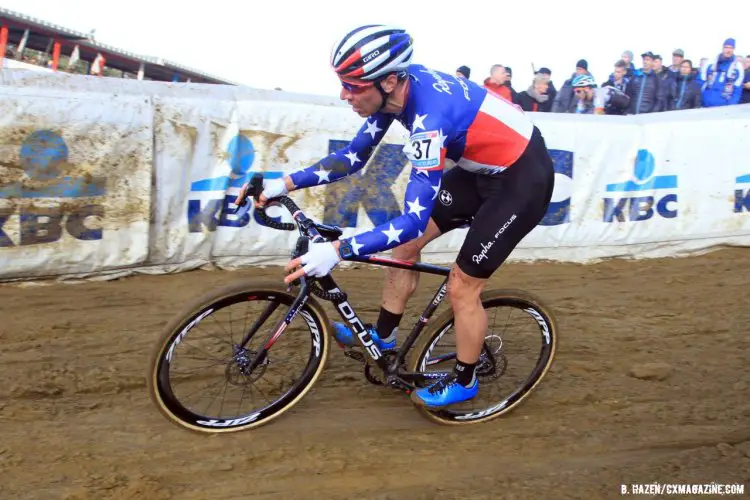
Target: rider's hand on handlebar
272, 188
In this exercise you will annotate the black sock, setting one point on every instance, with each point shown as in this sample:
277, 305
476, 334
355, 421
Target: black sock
465, 373
387, 324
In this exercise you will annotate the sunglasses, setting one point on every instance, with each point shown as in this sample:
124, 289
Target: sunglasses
356, 88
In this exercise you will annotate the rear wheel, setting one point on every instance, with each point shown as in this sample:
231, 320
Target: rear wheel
518, 350
201, 374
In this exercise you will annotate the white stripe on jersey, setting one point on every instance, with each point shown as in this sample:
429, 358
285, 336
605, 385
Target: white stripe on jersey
480, 168
508, 114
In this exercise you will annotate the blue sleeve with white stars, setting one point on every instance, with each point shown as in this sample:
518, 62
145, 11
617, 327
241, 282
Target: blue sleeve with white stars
421, 193
348, 160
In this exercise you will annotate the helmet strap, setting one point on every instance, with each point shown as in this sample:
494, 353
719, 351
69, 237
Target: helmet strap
383, 94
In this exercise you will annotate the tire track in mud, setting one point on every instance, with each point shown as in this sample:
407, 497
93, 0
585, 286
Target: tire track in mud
650, 384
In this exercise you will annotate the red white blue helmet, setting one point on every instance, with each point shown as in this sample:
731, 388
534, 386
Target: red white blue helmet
371, 52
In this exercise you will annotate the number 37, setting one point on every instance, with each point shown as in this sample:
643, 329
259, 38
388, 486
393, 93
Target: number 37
417, 145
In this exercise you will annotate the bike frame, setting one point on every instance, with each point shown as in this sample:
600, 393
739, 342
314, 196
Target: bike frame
349, 315
406, 380
309, 230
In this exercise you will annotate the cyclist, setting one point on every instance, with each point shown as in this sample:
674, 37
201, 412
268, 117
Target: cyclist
597, 100
503, 185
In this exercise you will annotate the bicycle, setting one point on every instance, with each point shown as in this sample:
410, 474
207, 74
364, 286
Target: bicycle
404, 369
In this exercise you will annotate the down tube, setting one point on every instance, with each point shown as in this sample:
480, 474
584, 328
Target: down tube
350, 316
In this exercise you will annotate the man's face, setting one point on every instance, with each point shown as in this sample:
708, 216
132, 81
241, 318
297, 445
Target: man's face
619, 73
499, 76
728, 51
584, 93
676, 60
541, 86
648, 63
364, 100
626, 58
685, 69
581, 71
746, 62
657, 65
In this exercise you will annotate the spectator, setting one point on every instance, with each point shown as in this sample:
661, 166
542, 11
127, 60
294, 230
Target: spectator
619, 81
684, 89
497, 82
551, 90
678, 55
509, 83
536, 97
463, 72
745, 99
645, 89
564, 99
627, 56
659, 68
723, 78
589, 99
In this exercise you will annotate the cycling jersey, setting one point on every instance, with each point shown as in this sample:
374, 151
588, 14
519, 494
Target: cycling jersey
447, 117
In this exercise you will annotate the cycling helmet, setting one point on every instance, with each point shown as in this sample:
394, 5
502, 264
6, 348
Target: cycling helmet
372, 52
583, 81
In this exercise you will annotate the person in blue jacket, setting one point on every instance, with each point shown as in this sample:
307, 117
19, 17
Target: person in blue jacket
722, 79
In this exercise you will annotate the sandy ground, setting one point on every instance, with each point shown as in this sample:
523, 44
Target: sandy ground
76, 421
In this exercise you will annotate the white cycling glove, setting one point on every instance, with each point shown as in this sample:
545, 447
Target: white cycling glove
320, 259
273, 188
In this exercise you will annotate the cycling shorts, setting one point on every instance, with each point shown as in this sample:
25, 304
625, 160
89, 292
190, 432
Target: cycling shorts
501, 210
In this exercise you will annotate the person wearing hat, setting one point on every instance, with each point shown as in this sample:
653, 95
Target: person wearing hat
646, 89
628, 57
551, 90
678, 55
723, 78
565, 97
463, 72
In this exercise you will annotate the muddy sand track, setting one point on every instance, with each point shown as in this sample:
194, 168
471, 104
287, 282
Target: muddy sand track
76, 421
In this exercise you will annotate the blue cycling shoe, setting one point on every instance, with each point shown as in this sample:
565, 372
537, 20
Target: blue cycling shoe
344, 336
447, 391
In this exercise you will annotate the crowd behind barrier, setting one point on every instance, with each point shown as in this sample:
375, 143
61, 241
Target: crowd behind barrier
654, 87
110, 176
720, 81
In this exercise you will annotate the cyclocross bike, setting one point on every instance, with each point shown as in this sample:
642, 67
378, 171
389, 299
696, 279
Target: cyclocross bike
242, 358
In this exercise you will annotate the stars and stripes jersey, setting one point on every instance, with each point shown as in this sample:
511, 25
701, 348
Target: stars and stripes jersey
447, 117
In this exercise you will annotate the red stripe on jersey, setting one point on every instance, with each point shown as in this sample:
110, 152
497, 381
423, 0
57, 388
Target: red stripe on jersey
499, 133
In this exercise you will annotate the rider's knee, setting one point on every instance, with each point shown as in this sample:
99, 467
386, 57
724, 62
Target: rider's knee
462, 288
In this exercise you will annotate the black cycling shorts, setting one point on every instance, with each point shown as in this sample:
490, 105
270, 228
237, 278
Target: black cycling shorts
502, 210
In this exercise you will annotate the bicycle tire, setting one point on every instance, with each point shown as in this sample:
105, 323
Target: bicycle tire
172, 410
492, 298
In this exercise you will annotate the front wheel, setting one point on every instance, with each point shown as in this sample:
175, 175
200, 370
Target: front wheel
518, 349
208, 371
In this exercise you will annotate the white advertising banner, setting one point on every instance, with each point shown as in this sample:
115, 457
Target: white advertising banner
75, 182
76, 190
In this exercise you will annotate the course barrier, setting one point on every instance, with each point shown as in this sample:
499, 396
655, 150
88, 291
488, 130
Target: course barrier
103, 177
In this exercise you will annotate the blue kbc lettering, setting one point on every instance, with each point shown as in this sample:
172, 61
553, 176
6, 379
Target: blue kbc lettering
214, 213
742, 195
43, 157
640, 208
